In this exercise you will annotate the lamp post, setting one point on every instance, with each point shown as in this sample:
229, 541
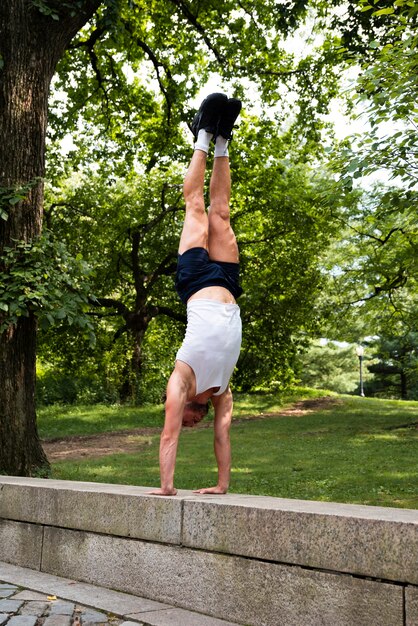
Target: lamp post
360, 354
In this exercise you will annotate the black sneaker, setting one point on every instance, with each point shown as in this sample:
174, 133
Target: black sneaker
209, 113
231, 110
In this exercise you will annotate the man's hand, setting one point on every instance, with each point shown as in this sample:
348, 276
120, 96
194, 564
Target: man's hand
217, 489
162, 492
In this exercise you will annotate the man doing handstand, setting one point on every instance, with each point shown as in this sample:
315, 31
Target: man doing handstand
207, 280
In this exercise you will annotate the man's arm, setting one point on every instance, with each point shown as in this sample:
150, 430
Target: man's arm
174, 407
223, 405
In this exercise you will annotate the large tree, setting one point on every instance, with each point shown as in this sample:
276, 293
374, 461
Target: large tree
128, 230
31, 44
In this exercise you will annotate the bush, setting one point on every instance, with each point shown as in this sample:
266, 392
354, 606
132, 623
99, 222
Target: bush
55, 387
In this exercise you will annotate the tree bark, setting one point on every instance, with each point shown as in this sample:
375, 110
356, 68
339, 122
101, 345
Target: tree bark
31, 44
404, 384
137, 324
132, 371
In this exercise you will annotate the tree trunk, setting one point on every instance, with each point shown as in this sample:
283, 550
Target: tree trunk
404, 384
137, 361
31, 44
132, 371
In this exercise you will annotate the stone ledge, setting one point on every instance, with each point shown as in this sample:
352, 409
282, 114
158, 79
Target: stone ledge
361, 540
21, 543
411, 606
368, 541
224, 586
112, 509
256, 560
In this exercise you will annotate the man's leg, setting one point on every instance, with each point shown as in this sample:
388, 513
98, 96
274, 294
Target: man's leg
195, 227
204, 126
222, 242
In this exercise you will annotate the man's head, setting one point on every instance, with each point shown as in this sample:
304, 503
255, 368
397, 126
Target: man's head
194, 412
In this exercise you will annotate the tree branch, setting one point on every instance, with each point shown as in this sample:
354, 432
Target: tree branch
136, 271
156, 63
166, 266
192, 19
163, 310
121, 308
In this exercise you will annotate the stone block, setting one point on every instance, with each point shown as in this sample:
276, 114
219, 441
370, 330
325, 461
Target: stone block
30, 595
3, 618
363, 540
112, 509
10, 606
411, 606
227, 587
21, 543
35, 607
22, 620
59, 607
58, 620
93, 617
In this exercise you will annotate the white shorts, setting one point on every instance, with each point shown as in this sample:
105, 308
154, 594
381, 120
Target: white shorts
212, 343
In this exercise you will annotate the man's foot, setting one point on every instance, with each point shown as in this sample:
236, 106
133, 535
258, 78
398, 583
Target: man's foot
231, 110
162, 492
209, 113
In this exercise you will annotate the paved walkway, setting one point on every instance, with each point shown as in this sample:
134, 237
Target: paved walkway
32, 598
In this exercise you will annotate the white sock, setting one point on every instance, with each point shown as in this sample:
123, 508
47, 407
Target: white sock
221, 147
203, 140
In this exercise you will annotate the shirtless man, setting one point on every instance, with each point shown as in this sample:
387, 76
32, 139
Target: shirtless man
207, 281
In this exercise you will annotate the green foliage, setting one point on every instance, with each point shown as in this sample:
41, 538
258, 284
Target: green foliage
54, 8
9, 196
161, 342
43, 279
282, 227
123, 91
387, 91
129, 76
128, 230
372, 267
396, 369
329, 366
86, 383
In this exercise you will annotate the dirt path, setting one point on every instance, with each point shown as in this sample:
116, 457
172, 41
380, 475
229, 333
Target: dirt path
74, 448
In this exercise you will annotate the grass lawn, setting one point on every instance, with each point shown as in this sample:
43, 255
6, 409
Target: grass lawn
63, 420
360, 450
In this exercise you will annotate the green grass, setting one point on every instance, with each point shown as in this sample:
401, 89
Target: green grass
63, 420
60, 421
360, 451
